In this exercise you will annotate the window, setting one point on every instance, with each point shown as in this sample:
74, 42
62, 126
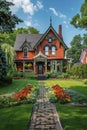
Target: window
49, 39
47, 50
53, 50
25, 51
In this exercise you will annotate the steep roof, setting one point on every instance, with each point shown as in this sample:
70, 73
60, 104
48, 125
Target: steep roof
33, 40
28, 39
55, 33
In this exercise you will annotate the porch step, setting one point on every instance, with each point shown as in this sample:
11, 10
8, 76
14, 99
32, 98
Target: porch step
41, 77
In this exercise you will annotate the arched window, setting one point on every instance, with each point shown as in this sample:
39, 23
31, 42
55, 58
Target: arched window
46, 50
25, 50
53, 50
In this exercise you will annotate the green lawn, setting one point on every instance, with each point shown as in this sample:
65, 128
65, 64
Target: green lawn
72, 84
15, 118
17, 85
72, 118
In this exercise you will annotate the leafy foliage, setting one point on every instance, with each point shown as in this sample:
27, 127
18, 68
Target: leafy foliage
74, 51
10, 55
80, 20
3, 64
84, 41
9, 38
80, 71
33, 30
7, 19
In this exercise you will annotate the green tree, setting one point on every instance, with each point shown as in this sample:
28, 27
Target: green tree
33, 30
10, 55
7, 19
85, 41
9, 38
3, 64
74, 51
80, 20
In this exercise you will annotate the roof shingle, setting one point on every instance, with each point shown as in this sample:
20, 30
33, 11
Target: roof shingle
30, 39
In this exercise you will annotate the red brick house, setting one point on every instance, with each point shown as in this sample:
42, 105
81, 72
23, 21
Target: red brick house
40, 52
83, 57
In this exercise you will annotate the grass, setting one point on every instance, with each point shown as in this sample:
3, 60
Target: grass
15, 118
78, 86
72, 118
17, 85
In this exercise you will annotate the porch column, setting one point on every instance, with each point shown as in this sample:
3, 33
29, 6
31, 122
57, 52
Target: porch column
34, 65
55, 65
45, 65
61, 66
23, 66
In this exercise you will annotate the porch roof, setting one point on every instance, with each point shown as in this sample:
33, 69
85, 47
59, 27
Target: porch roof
41, 55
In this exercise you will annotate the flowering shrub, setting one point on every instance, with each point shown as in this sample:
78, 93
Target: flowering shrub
60, 94
24, 93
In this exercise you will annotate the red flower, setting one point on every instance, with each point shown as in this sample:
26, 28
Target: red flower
23, 93
59, 93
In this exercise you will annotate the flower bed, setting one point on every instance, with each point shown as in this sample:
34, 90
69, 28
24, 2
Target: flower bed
25, 95
59, 94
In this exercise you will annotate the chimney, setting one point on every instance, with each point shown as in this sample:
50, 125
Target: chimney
60, 31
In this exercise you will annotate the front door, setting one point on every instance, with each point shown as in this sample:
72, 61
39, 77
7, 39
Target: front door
40, 68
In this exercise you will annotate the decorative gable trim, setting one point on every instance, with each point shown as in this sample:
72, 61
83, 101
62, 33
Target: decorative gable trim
26, 44
44, 35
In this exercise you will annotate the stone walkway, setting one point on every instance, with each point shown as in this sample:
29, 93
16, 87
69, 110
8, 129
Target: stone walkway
44, 115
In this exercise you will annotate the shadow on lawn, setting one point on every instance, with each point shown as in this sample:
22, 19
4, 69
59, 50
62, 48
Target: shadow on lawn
72, 118
80, 89
15, 118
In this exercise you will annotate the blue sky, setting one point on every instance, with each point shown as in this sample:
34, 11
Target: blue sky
37, 13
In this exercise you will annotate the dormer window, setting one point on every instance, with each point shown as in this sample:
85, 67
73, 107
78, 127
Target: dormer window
25, 50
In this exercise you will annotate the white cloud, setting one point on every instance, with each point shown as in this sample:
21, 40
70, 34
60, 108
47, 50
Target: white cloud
54, 11
64, 22
62, 15
26, 5
39, 5
28, 23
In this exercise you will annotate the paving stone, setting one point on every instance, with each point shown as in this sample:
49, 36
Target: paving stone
44, 115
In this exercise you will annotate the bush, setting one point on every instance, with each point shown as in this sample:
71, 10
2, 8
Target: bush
51, 74
85, 81
29, 75
6, 81
79, 71
64, 75
17, 74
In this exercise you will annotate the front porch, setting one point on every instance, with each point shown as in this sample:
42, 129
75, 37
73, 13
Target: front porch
41, 65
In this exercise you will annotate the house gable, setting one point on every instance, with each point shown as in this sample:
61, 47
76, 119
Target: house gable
23, 39
50, 31
83, 57
43, 51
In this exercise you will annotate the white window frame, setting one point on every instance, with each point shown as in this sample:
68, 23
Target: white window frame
53, 50
46, 50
